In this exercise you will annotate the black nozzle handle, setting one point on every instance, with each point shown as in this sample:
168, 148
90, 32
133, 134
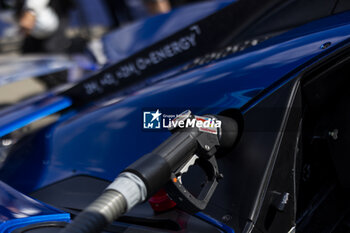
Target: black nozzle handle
156, 167
228, 131
150, 173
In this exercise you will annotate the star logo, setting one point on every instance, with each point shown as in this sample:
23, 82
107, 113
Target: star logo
156, 115
151, 120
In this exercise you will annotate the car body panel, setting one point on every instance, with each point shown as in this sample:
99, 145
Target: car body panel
18, 210
101, 139
15, 68
107, 130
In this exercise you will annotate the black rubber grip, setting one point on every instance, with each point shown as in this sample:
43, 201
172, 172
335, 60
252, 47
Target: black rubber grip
154, 171
86, 222
228, 132
155, 168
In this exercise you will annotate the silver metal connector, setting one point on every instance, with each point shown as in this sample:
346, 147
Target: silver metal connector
131, 187
111, 204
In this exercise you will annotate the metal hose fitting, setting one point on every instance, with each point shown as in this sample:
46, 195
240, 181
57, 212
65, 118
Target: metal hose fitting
108, 207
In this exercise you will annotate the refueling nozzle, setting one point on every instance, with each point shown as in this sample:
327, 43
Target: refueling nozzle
195, 139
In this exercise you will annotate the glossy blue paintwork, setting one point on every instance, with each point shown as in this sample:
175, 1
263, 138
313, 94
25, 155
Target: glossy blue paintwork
23, 114
9, 226
101, 140
126, 41
105, 138
18, 210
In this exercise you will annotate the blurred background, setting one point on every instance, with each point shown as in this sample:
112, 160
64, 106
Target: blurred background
71, 26
45, 44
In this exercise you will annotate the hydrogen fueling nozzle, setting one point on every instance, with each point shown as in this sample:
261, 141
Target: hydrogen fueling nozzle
194, 140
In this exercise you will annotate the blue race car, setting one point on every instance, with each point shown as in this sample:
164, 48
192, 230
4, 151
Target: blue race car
269, 77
